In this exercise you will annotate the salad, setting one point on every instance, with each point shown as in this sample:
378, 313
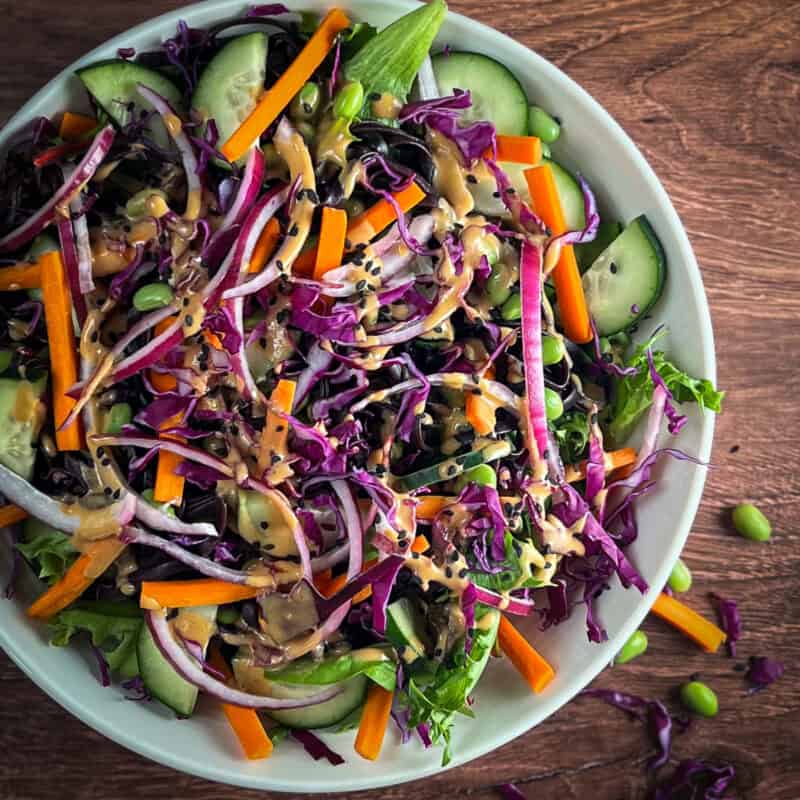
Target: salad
317, 371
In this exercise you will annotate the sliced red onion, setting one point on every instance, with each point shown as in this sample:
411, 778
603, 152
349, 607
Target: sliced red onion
85, 279
46, 215
151, 353
331, 558
18, 491
158, 520
237, 261
513, 605
239, 362
69, 251
352, 522
134, 535
193, 186
195, 650
249, 188
531, 291
520, 212
183, 664
318, 361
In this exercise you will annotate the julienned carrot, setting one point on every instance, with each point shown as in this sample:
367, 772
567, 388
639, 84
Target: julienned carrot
20, 276
697, 628
156, 595
331, 241
276, 430
566, 276
614, 460
74, 126
518, 149
338, 583
420, 544
244, 721
11, 515
265, 246
168, 487
530, 664
59, 151
379, 216
430, 505
288, 85
78, 578
479, 411
63, 353
374, 719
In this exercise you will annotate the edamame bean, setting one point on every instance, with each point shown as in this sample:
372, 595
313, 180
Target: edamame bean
634, 647
227, 615
119, 415
5, 359
542, 125
306, 102
498, 288
137, 206
751, 523
552, 350
553, 405
349, 100
680, 579
483, 475
699, 699
152, 296
512, 308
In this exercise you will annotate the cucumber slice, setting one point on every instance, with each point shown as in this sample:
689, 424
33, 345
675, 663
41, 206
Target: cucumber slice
587, 254
158, 674
21, 416
497, 95
113, 85
569, 192
443, 472
261, 522
404, 629
252, 679
484, 191
627, 279
229, 86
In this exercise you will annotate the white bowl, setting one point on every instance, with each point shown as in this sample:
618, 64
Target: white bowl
626, 186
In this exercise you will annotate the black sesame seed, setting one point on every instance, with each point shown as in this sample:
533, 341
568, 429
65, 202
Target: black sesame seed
613, 267
189, 321
294, 230
438, 652
280, 428
374, 96
101, 452
283, 315
263, 525
734, 449
511, 190
471, 179
117, 494
448, 572
308, 108
463, 573
269, 546
361, 285
95, 336
262, 342
279, 265
108, 491
452, 469
275, 458
106, 462
496, 194
186, 301
415, 555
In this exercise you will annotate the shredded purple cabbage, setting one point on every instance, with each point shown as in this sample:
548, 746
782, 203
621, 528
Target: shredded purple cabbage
694, 779
729, 620
315, 747
762, 672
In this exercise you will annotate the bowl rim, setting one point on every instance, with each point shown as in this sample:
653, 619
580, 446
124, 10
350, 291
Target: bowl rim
549, 703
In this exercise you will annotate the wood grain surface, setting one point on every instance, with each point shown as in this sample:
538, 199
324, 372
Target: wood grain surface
710, 92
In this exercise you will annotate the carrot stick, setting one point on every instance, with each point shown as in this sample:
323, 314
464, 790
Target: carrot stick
20, 276
78, 578
338, 583
54, 153
63, 355
322, 579
244, 721
420, 544
186, 594
379, 216
265, 246
567, 278
11, 515
288, 85
697, 628
276, 429
74, 126
530, 664
374, 720
517, 149
614, 460
168, 487
331, 241
479, 411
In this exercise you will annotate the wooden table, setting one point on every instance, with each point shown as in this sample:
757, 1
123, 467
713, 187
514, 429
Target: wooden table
711, 93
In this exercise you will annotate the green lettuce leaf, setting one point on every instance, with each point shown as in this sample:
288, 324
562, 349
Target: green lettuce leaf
48, 548
509, 577
571, 430
634, 394
389, 61
436, 699
376, 663
113, 627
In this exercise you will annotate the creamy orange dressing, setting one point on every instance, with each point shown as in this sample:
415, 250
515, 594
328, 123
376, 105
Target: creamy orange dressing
450, 177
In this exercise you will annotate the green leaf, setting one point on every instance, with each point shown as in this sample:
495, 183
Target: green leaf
356, 37
389, 62
376, 663
436, 699
634, 394
47, 547
510, 576
572, 434
113, 627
